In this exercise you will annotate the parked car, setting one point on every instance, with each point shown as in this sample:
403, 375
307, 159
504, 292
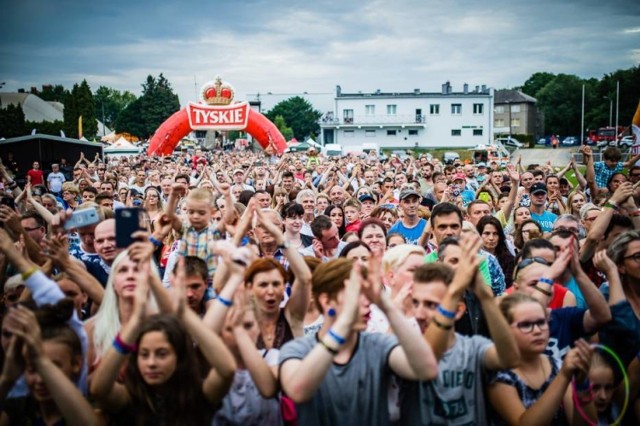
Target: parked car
401, 154
510, 142
542, 141
450, 157
627, 141
571, 141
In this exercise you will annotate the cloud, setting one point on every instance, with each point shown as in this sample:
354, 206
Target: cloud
291, 46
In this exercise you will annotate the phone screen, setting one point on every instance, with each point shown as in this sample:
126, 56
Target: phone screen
128, 221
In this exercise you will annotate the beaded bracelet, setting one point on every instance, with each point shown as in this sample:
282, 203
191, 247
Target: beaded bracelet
445, 313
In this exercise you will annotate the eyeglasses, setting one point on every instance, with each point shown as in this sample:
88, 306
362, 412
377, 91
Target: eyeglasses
635, 257
526, 327
530, 260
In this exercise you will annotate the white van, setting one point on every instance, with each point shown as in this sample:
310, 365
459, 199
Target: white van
332, 150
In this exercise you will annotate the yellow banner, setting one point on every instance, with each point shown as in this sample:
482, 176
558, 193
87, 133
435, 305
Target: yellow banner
80, 127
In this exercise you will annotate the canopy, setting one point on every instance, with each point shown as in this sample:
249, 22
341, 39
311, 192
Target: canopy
299, 147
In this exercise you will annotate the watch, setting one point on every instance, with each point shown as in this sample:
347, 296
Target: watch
285, 245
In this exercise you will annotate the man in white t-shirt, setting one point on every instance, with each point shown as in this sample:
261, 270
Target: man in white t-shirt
55, 179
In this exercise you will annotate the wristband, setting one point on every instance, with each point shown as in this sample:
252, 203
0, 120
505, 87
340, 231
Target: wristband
584, 386
339, 339
328, 348
543, 291
545, 280
31, 271
441, 325
611, 205
226, 302
445, 313
122, 347
155, 241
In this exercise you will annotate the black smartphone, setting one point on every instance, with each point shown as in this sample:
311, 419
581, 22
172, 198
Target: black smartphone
9, 202
128, 221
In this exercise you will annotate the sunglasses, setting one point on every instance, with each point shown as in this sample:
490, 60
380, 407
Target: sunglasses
529, 261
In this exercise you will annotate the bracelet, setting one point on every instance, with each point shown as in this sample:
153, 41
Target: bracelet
445, 313
545, 280
541, 290
339, 339
31, 271
611, 205
226, 302
155, 241
122, 347
441, 325
584, 386
328, 348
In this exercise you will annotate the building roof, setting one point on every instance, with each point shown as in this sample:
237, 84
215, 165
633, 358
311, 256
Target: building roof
513, 97
35, 109
48, 137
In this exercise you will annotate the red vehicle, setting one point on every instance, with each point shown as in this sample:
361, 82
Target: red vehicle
607, 134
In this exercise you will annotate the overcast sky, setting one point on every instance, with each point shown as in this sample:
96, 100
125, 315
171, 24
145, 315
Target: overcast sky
293, 46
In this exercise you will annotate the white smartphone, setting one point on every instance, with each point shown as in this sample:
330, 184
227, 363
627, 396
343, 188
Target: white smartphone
82, 218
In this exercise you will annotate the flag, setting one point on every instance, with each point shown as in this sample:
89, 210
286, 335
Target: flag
635, 124
80, 127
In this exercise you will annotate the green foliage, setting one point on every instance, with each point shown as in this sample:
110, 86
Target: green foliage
143, 116
79, 102
560, 99
298, 114
52, 128
12, 122
51, 93
108, 104
286, 131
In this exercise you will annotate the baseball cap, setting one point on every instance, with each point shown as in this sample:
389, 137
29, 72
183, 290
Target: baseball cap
481, 165
459, 176
538, 187
238, 171
406, 193
366, 197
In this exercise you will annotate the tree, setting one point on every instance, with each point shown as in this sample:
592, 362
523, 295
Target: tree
536, 82
561, 100
80, 103
46, 127
298, 114
286, 131
108, 103
51, 93
12, 122
129, 120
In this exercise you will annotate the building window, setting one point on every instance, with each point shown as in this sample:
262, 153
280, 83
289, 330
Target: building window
478, 108
391, 109
499, 109
456, 132
515, 122
370, 133
349, 133
477, 132
347, 114
391, 132
413, 133
499, 122
434, 109
515, 108
456, 109
370, 109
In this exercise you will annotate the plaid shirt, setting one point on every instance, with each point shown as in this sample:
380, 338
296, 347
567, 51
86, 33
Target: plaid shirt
196, 243
603, 173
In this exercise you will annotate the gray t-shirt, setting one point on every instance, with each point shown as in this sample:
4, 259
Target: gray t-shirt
355, 393
456, 397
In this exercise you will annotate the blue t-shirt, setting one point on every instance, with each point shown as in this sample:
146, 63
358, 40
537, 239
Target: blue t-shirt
411, 235
574, 288
566, 325
545, 220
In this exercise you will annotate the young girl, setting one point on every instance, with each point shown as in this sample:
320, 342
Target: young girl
163, 383
602, 378
538, 391
50, 352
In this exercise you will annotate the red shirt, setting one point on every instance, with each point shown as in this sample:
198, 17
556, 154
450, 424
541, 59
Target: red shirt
558, 295
37, 177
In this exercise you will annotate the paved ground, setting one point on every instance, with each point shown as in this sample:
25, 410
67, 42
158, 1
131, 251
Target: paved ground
559, 157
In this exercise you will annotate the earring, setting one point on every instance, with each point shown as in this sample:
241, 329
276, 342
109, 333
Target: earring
331, 312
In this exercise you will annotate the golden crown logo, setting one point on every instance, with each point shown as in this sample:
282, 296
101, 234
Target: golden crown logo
217, 92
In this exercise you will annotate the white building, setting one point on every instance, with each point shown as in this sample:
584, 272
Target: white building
410, 120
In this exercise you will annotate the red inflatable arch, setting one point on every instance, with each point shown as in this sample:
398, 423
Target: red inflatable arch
216, 112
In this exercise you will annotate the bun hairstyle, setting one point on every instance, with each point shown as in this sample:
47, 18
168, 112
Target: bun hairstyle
53, 321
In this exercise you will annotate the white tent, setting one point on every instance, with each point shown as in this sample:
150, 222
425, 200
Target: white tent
313, 143
122, 143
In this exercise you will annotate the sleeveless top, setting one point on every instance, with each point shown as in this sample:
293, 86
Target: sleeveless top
283, 333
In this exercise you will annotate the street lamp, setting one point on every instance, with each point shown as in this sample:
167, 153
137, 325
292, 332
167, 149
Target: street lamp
509, 105
610, 109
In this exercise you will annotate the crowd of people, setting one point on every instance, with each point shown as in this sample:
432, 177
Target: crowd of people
298, 289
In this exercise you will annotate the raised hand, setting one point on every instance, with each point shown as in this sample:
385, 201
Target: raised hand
466, 270
577, 361
604, 263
